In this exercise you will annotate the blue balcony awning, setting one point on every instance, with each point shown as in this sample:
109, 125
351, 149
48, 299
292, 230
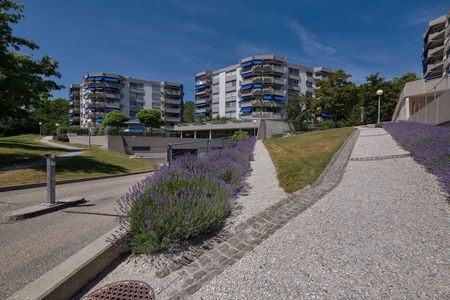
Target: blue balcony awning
98, 78
200, 114
279, 98
246, 109
200, 87
200, 104
257, 85
99, 119
246, 64
267, 97
90, 78
326, 115
246, 86
108, 109
258, 62
111, 79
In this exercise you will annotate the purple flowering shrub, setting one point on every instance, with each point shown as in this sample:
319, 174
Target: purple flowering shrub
186, 200
429, 145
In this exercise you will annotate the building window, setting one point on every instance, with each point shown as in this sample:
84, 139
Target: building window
156, 96
156, 87
309, 74
135, 85
230, 84
231, 73
309, 84
140, 148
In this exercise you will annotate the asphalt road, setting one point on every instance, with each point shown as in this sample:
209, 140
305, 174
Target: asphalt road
31, 247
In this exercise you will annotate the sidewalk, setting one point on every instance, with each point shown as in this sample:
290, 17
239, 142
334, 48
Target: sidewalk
383, 232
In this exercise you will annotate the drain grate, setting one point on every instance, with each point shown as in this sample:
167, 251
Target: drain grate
123, 290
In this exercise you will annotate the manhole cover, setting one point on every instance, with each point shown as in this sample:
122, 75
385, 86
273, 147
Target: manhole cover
123, 290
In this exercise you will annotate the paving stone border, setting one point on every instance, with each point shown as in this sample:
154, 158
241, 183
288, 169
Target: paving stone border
193, 270
372, 158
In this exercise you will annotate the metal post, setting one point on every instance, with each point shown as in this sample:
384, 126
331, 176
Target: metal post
207, 147
89, 138
379, 100
50, 178
222, 143
169, 154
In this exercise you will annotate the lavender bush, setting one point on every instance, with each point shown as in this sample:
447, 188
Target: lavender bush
189, 199
429, 146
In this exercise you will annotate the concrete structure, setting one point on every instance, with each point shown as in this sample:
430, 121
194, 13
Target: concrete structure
236, 91
428, 100
74, 105
101, 93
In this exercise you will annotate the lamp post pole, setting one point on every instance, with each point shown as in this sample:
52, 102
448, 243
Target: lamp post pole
379, 93
40, 128
57, 131
254, 127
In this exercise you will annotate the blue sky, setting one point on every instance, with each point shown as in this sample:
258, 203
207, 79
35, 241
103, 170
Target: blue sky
174, 39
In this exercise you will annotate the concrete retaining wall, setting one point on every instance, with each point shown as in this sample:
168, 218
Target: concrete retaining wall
273, 128
99, 141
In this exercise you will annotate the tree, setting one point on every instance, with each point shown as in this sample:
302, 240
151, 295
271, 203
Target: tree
336, 96
298, 109
23, 80
50, 112
150, 118
115, 119
189, 111
391, 92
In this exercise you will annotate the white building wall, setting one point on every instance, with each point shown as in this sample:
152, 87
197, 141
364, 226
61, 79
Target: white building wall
238, 88
148, 96
302, 82
125, 99
222, 87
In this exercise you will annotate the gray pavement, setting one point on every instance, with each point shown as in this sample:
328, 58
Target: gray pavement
383, 232
31, 247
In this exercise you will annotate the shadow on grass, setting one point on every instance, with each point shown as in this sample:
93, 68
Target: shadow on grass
29, 146
83, 164
10, 159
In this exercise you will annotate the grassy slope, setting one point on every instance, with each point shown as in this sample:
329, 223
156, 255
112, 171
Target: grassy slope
94, 162
300, 159
24, 148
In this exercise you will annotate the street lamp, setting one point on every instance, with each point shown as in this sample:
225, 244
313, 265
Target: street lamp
379, 93
254, 127
40, 128
57, 131
89, 121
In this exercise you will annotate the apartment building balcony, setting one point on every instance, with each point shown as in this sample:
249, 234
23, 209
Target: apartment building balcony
96, 94
263, 103
202, 100
173, 119
171, 92
294, 87
137, 90
263, 115
202, 109
171, 101
203, 92
436, 51
172, 110
294, 76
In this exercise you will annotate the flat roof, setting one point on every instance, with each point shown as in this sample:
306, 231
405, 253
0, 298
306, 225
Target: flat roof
216, 126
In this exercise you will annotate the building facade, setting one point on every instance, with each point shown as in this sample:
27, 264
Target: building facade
428, 100
257, 87
101, 93
436, 50
74, 105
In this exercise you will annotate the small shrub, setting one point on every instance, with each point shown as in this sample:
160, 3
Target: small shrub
188, 199
341, 123
239, 135
327, 124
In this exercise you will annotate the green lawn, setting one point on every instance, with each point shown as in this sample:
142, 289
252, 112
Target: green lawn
94, 162
300, 159
24, 148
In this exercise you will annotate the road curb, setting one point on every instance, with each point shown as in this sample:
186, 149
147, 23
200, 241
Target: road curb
39, 210
67, 278
41, 184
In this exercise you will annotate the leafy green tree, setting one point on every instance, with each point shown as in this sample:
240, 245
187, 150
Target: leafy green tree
239, 135
150, 118
189, 111
23, 80
50, 112
391, 92
298, 109
115, 119
336, 96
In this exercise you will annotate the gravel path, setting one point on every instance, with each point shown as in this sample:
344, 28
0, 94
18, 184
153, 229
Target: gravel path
263, 190
383, 232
